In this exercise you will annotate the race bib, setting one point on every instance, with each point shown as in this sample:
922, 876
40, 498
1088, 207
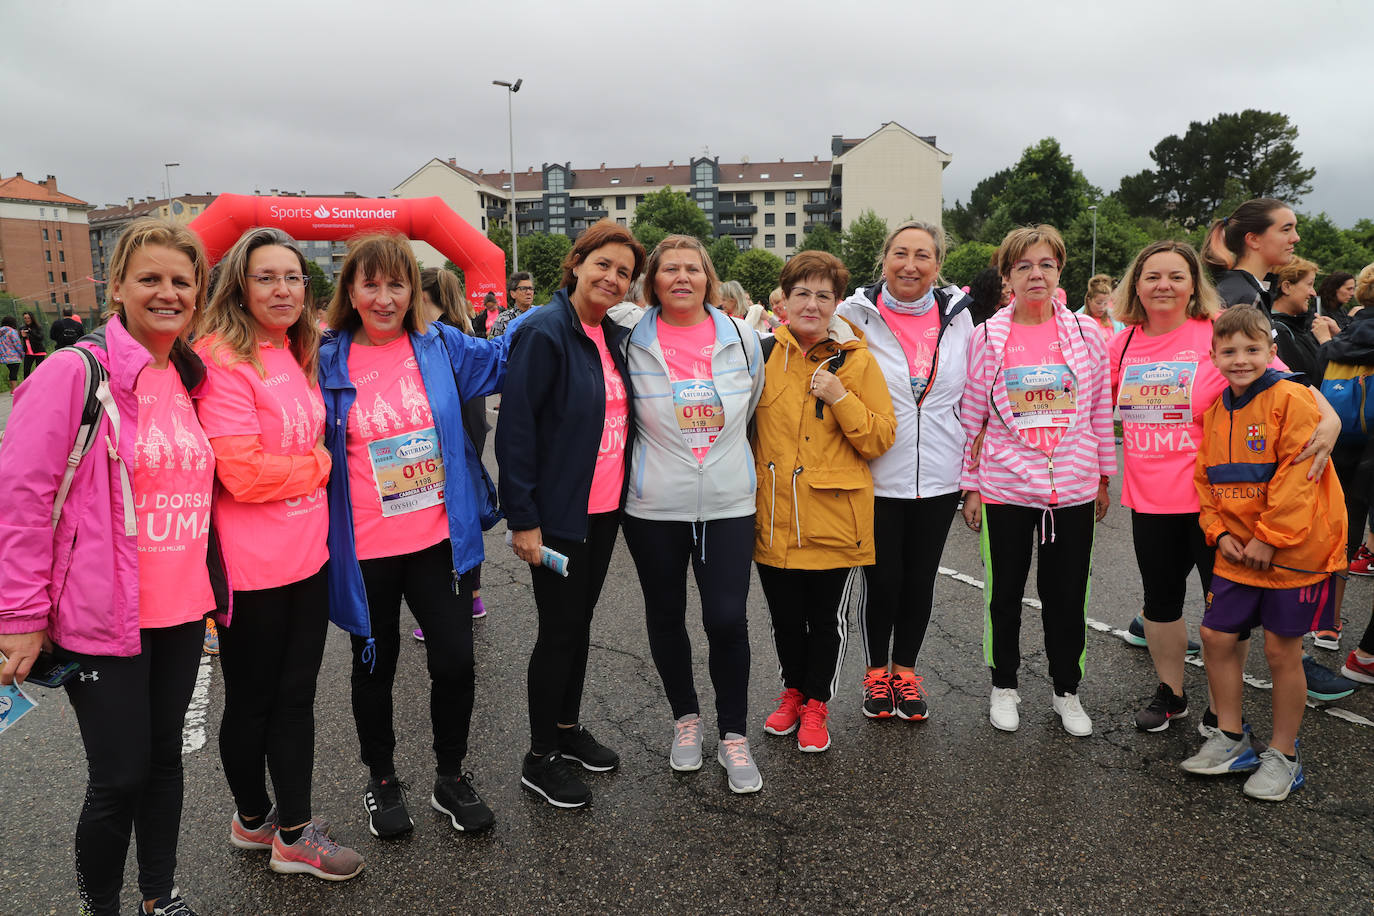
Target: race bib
1042, 397
409, 470
700, 414
1157, 393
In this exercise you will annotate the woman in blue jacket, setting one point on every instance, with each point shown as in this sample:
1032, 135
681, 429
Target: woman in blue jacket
403, 516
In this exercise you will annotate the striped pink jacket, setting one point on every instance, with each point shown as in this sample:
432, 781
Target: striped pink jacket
1009, 470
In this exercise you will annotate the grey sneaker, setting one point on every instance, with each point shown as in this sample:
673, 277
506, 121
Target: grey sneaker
686, 752
739, 765
1220, 755
1276, 777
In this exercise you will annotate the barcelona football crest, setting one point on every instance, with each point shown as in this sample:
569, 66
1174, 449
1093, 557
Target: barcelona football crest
1254, 437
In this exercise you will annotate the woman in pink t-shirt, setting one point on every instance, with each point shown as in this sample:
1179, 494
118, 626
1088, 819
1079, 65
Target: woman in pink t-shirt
265, 418
120, 583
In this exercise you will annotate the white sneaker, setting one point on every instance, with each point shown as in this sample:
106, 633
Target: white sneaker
1076, 721
1002, 710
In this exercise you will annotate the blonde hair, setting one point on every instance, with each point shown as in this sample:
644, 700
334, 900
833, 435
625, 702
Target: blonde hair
147, 231
673, 243
379, 254
233, 328
1097, 286
1293, 272
1126, 305
937, 235
1364, 286
446, 293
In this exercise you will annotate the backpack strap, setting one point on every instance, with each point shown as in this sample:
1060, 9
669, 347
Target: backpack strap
98, 400
1122, 359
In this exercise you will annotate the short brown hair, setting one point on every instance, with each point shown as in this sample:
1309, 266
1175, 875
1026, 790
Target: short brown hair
446, 292
1242, 319
1294, 271
673, 243
814, 264
1018, 241
599, 234
377, 254
1126, 305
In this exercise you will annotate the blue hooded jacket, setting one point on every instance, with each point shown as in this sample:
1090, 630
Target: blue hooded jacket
454, 368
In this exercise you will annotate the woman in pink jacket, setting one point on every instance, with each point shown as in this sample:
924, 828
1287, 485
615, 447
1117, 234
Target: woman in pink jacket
137, 517
1041, 477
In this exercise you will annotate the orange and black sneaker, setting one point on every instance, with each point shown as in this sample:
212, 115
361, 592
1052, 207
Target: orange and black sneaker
911, 697
879, 702
784, 719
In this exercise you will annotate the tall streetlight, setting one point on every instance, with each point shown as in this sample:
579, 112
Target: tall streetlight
1093, 271
511, 90
167, 175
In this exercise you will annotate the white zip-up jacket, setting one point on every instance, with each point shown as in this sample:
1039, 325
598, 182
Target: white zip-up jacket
667, 483
927, 457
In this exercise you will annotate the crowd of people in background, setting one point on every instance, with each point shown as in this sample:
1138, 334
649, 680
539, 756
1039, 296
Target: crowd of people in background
277, 464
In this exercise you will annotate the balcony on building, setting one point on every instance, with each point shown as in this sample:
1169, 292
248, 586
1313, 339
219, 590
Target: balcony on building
730, 208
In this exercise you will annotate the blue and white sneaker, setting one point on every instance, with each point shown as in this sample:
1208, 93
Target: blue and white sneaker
1135, 636
1277, 776
1324, 684
1220, 755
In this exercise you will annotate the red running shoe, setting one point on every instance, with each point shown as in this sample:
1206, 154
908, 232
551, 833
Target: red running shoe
784, 719
1363, 564
813, 736
1357, 669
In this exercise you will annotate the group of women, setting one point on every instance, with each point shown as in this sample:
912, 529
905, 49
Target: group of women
280, 477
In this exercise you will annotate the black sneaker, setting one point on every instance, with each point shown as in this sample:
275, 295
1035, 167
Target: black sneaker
1165, 705
911, 698
385, 801
455, 796
577, 743
168, 906
552, 778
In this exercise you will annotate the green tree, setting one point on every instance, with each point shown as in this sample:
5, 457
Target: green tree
1119, 239
542, 254
723, 252
822, 238
1044, 187
320, 287
674, 213
499, 234
862, 247
757, 271
965, 223
649, 235
963, 263
1330, 247
1245, 155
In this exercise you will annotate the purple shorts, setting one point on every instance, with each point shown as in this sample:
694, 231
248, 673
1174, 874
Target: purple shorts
1236, 608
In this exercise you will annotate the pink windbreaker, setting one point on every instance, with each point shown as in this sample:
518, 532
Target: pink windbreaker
1009, 470
94, 610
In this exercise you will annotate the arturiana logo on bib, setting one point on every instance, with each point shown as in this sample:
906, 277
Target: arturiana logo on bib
1040, 378
414, 447
1157, 374
697, 393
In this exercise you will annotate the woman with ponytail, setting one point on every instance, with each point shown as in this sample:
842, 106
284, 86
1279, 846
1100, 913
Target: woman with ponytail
1245, 248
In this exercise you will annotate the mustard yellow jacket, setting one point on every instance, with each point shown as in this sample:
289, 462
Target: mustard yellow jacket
815, 492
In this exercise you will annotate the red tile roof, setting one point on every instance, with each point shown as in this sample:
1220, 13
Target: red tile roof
20, 188
144, 207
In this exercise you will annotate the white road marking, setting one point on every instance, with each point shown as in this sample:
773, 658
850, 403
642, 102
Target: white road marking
193, 733
1099, 626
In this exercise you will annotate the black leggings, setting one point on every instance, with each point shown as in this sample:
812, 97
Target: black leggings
558, 664
899, 589
810, 613
14, 371
425, 579
131, 712
720, 551
1167, 548
270, 654
1065, 564
31, 360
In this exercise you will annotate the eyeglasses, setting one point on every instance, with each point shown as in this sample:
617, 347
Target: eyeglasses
524, 289
1021, 268
823, 297
268, 281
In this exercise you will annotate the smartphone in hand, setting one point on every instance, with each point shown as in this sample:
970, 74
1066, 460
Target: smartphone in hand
47, 671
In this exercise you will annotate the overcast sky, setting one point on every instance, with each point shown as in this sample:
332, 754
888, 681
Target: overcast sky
344, 95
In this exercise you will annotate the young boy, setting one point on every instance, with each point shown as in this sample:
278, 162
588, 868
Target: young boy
1278, 535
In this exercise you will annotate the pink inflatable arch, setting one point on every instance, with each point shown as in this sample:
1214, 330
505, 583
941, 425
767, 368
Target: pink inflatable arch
426, 219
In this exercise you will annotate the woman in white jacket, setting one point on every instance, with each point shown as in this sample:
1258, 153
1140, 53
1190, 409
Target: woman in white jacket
919, 334
696, 376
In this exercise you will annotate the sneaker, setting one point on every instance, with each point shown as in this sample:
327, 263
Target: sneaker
1221, 754
812, 735
878, 699
1323, 684
211, 644
314, 853
686, 751
1363, 564
784, 719
911, 697
739, 766
478, 608
455, 796
1002, 711
167, 906
1135, 635
552, 778
1276, 777
1357, 669
1164, 706
419, 634
1328, 639
258, 838
385, 802
1071, 714
577, 744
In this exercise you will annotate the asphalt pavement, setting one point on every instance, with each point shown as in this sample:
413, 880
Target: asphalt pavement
947, 816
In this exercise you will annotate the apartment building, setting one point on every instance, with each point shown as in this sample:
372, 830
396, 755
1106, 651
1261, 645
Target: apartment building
44, 252
770, 205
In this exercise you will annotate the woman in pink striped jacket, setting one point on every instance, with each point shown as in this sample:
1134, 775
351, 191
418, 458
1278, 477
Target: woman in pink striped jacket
1039, 388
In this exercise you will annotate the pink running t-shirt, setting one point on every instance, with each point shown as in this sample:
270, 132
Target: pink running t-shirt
609, 476
396, 475
700, 413
174, 477
1042, 390
919, 336
270, 544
